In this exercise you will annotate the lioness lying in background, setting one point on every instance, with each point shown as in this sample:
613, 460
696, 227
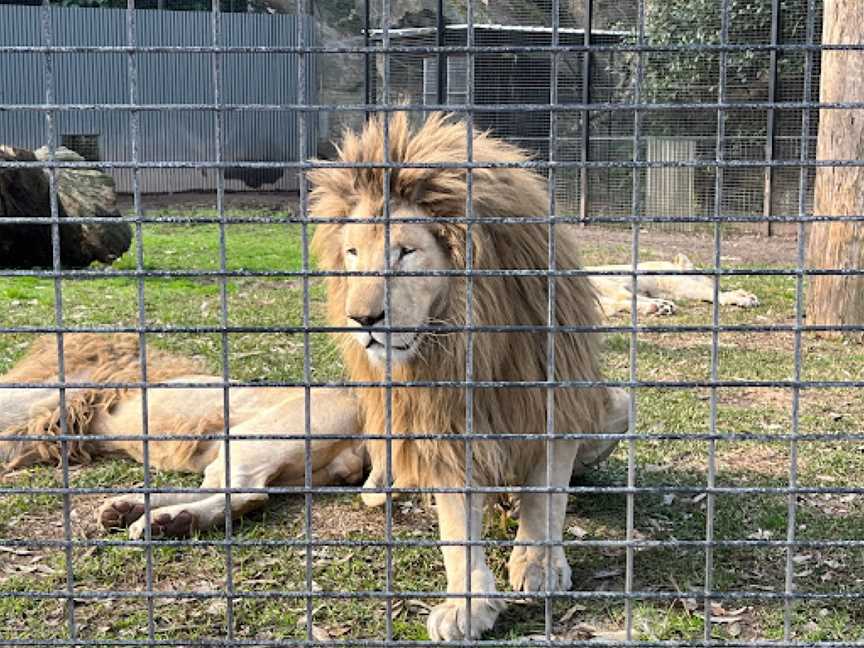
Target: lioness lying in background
656, 293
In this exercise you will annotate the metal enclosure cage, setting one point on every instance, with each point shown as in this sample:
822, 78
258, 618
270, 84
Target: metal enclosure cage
731, 514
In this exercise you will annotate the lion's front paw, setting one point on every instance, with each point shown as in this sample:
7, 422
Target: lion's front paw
527, 567
449, 621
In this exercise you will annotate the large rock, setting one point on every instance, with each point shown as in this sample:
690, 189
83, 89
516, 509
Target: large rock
25, 192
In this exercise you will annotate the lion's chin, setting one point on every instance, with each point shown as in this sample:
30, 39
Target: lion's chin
377, 353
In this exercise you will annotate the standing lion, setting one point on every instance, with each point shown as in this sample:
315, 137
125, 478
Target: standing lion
429, 290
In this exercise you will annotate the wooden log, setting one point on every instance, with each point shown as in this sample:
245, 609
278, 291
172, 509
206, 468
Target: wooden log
25, 192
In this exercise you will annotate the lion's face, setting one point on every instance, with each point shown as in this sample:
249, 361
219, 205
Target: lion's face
415, 301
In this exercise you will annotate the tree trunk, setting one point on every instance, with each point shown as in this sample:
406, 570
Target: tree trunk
833, 299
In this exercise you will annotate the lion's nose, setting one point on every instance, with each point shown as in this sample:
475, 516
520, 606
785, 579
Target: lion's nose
367, 320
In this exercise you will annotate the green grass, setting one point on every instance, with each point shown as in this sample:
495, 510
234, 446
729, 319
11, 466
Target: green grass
272, 301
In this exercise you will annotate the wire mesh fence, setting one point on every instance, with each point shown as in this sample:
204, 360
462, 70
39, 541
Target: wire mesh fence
730, 510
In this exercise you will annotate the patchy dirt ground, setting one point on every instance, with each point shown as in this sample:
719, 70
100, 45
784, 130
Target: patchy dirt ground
735, 248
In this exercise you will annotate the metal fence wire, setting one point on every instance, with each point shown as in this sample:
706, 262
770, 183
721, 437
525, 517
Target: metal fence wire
666, 502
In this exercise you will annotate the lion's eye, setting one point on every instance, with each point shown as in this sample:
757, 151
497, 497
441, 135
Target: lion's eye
351, 251
405, 251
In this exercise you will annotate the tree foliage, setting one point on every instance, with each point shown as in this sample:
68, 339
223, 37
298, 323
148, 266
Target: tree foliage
693, 74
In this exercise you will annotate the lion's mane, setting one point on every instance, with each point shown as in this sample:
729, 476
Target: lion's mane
501, 357
88, 358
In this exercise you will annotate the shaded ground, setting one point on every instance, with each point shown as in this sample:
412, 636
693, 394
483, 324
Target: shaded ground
191, 200
261, 573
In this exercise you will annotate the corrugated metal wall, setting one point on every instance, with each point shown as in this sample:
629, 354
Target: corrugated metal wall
671, 190
163, 78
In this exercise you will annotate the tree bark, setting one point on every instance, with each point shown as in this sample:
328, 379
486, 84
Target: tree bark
834, 299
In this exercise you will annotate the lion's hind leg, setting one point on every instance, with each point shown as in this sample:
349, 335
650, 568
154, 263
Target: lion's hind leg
179, 515
701, 288
614, 296
126, 510
258, 463
255, 465
594, 451
654, 306
740, 298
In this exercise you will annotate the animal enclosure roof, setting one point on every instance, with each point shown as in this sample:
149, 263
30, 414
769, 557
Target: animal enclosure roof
460, 29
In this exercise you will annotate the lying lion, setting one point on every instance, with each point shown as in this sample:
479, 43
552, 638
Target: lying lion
656, 294
106, 417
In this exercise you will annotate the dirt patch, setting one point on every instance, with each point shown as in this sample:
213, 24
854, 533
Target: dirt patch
266, 202
42, 525
735, 249
833, 505
762, 397
761, 459
774, 342
334, 518
735, 460
48, 524
23, 562
833, 404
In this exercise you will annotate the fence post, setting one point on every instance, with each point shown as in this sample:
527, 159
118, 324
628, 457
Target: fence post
442, 57
586, 114
367, 62
771, 127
